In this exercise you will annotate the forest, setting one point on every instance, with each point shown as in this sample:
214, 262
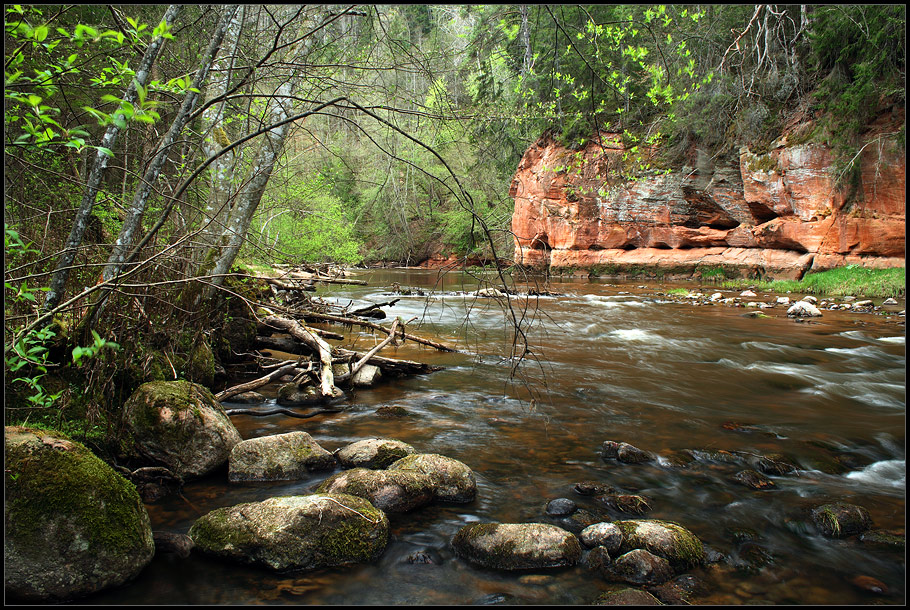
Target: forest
149, 150
161, 162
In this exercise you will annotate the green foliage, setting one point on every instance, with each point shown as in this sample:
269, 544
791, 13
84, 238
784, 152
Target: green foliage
849, 280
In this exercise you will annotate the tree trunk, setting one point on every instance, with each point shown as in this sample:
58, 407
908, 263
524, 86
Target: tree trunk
61, 273
140, 199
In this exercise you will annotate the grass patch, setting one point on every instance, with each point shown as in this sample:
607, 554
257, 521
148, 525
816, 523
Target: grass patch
851, 280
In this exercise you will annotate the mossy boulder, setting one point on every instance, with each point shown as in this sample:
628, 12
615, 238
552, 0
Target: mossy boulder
453, 481
516, 546
392, 491
669, 540
278, 457
180, 425
373, 453
295, 532
840, 519
73, 526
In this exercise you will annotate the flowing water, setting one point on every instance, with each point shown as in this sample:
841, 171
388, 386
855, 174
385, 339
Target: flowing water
620, 362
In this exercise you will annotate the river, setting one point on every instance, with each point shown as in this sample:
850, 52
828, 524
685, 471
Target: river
610, 361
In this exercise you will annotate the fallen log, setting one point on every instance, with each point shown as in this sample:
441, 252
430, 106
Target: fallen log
326, 378
312, 316
292, 367
390, 365
321, 278
282, 344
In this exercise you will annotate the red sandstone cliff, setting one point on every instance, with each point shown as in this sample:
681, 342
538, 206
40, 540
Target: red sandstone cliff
777, 214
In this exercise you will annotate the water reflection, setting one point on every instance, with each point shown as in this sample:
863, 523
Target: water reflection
610, 362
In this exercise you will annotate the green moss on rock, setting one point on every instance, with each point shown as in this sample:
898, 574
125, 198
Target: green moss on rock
73, 525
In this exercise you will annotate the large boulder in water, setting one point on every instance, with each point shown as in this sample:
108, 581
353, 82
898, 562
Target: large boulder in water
373, 453
295, 532
73, 526
517, 546
393, 491
180, 425
669, 540
278, 457
453, 481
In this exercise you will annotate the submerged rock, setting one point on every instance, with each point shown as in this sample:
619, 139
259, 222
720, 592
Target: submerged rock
626, 503
592, 488
624, 452
373, 453
516, 546
839, 519
180, 425
392, 491
753, 479
295, 532
73, 526
278, 457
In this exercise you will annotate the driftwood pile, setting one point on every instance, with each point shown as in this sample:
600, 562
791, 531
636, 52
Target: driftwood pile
285, 329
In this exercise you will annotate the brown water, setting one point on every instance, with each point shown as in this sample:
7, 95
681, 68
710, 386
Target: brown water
611, 362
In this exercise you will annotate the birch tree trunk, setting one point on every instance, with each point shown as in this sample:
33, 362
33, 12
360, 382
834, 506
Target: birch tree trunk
77, 232
221, 170
141, 196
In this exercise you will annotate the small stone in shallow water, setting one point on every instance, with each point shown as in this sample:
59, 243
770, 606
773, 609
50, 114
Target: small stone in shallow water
592, 488
641, 567
561, 507
607, 535
626, 503
775, 464
753, 479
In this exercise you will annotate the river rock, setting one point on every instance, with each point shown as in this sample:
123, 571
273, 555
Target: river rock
302, 395
516, 546
598, 560
803, 309
753, 479
73, 526
180, 425
576, 521
592, 488
453, 481
626, 503
278, 457
626, 597
840, 519
640, 567
173, 543
373, 453
561, 507
154, 482
607, 535
624, 452
890, 302
776, 464
295, 532
392, 491
669, 540
247, 398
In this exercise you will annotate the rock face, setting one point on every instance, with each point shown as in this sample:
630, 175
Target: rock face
778, 213
279, 457
180, 425
516, 546
295, 532
72, 525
